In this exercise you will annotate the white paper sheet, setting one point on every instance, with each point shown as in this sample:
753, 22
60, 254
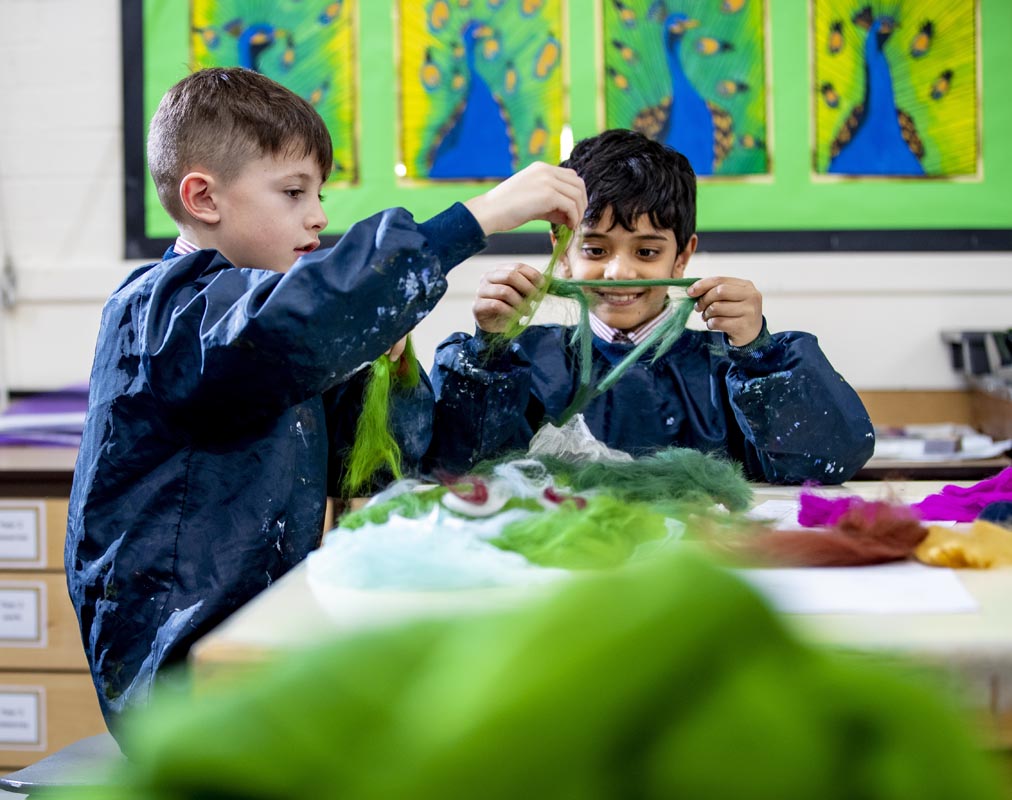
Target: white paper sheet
903, 588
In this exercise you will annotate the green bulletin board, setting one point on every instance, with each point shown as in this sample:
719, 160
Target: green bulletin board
786, 205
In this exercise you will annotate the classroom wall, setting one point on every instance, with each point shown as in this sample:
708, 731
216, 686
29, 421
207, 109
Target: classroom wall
878, 316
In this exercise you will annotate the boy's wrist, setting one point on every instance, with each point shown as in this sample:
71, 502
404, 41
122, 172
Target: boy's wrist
483, 215
454, 235
763, 340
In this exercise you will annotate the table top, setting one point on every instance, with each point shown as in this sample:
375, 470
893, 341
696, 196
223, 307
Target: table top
36, 471
971, 469
978, 645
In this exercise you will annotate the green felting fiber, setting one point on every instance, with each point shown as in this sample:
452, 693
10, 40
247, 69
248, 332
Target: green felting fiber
660, 340
523, 316
375, 447
671, 679
676, 473
409, 504
603, 534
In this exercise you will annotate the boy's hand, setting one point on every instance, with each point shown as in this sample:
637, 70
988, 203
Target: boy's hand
501, 292
731, 305
395, 352
539, 191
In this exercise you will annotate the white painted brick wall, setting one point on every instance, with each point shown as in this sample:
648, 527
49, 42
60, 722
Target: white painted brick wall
61, 217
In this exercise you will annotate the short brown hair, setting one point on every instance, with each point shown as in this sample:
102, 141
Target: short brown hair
223, 117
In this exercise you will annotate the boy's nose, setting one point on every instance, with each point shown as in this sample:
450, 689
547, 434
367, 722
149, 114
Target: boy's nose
619, 269
318, 219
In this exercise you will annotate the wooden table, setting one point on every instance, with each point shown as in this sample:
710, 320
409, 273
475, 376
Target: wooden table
896, 469
974, 648
36, 471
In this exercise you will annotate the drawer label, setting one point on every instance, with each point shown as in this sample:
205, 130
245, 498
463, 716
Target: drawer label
22, 718
22, 614
22, 534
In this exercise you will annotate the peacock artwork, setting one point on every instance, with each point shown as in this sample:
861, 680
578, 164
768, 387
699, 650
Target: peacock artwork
481, 87
308, 47
691, 74
895, 89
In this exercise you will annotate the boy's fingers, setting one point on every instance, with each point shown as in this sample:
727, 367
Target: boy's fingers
491, 315
532, 275
525, 280
503, 293
395, 352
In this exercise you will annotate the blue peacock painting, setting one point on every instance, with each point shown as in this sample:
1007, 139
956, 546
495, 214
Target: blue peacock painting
307, 46
691, 74
481, 87
895, 88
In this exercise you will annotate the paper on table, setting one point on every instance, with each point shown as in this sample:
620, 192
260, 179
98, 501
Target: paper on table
904, 588
779, 513
64, 421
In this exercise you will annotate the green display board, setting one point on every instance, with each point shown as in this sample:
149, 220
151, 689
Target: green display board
770, 190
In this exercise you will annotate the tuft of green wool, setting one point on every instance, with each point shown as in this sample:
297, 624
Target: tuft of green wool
660, 339
673, 474
409, 504
603, 534
374, 446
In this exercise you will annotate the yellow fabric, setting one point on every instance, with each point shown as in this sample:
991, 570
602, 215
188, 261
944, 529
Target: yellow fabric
983, 546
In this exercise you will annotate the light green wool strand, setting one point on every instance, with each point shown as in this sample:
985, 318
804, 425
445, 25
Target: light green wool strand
374, 446
603, 534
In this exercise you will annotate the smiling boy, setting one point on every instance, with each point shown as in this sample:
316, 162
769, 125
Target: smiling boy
770, 401
228, 377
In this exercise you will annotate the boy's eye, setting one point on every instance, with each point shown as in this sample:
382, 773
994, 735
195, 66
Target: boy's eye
646, 252
593, 252
294, 193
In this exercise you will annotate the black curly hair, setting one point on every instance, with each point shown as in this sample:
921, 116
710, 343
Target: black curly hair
633, 175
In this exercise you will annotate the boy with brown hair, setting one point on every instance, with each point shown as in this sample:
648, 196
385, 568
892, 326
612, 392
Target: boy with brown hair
228, 377
771, 401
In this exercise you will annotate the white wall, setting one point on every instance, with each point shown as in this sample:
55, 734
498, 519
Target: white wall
878, 316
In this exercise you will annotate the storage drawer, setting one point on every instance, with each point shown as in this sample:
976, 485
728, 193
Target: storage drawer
41, 713
32, 533
38, 627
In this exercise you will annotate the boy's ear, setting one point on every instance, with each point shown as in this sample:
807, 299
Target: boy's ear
682, 261
562, 268
196, 192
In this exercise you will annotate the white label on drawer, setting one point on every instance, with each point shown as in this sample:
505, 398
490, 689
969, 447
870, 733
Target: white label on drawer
22, 718
22, 614
22, 534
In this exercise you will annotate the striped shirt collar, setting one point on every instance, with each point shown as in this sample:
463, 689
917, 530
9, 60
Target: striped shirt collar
182, 247
634, 336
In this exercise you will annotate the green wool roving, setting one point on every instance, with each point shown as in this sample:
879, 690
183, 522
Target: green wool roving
673, 474
604, 533
659, 340
374, 446
522, 318
408, 504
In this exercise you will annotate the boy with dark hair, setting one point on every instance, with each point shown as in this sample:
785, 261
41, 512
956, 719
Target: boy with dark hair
770, 401
228, 377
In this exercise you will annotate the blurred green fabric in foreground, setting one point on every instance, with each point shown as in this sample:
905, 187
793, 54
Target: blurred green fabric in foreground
667, 679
